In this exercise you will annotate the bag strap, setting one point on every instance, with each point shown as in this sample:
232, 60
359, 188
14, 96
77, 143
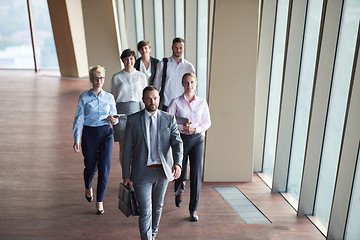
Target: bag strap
165, 61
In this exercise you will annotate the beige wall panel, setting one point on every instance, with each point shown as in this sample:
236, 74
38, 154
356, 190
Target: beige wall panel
129, 10
262, 79
229, 145
169, 26
210, 34
149, 28
190, 31
69, 37
101, 36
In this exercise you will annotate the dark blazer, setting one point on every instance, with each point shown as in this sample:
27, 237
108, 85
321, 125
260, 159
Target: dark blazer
135, 150
154, 62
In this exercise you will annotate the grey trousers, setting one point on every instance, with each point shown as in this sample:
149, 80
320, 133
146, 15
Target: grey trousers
150, 192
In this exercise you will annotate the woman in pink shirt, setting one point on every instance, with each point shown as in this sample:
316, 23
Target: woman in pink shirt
193, 119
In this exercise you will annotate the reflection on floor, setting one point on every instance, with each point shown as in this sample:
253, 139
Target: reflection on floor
246, 209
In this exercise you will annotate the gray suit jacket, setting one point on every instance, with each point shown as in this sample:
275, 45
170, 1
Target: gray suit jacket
135, 150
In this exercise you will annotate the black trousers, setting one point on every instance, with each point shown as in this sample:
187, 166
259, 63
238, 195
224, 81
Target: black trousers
96, 146
194, 152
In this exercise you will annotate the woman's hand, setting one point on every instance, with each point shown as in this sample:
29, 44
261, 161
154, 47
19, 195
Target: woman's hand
76, 147
187, 129
112, 119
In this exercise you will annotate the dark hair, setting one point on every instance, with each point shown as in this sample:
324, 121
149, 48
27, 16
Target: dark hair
142, 44
149, 88
127, 53
178, 39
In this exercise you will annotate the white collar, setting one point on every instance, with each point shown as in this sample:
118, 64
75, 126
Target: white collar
155, 114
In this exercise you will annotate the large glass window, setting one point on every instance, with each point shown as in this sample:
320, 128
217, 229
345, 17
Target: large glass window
179, 18
45, 45
275, 87
352, 228
202, 46
122, 25
159, 32
173, 11
15, 39
337, 109
139, 21
306, 79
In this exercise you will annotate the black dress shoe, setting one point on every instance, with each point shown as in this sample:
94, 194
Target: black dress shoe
99, 212
178, 200
89, 199
194, 217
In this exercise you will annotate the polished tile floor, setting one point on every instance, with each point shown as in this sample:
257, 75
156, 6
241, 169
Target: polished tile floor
41, 187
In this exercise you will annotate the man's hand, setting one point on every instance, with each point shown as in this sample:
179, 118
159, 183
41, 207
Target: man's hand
128, 182
176, 171
76, 147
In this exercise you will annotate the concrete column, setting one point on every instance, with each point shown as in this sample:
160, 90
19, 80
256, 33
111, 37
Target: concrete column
348, 156
229, 144
69, 36
191, 31
319, 105
288, 95
149, 25
263, 79
102, 36
169, 27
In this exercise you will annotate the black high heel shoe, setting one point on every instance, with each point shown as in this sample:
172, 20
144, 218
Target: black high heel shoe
98, 211
89, 199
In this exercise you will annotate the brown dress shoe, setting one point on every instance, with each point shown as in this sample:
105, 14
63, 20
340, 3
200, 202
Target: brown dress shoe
194, 217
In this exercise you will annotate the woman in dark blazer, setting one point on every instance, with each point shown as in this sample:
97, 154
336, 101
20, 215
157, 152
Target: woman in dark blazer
146, 63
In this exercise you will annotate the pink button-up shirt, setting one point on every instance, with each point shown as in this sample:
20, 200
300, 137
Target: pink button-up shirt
196, 111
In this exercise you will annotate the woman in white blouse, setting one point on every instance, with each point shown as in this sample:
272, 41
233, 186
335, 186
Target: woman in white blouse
146, 63
127, 86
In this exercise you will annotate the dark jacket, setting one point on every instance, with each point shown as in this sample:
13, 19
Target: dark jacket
154, 62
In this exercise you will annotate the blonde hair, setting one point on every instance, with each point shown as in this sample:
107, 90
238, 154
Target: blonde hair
188, 74
96, 69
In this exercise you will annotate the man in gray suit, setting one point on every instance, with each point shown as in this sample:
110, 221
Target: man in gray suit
147, 162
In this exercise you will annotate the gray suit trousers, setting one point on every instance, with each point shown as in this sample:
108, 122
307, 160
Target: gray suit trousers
150, 192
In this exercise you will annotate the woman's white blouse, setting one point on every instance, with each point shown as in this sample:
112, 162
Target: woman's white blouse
147, 72
127, 86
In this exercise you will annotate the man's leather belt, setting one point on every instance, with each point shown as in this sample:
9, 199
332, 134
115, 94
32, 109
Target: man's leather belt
154, 166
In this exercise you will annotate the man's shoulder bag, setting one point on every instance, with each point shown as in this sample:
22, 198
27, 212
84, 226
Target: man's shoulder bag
165, 61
